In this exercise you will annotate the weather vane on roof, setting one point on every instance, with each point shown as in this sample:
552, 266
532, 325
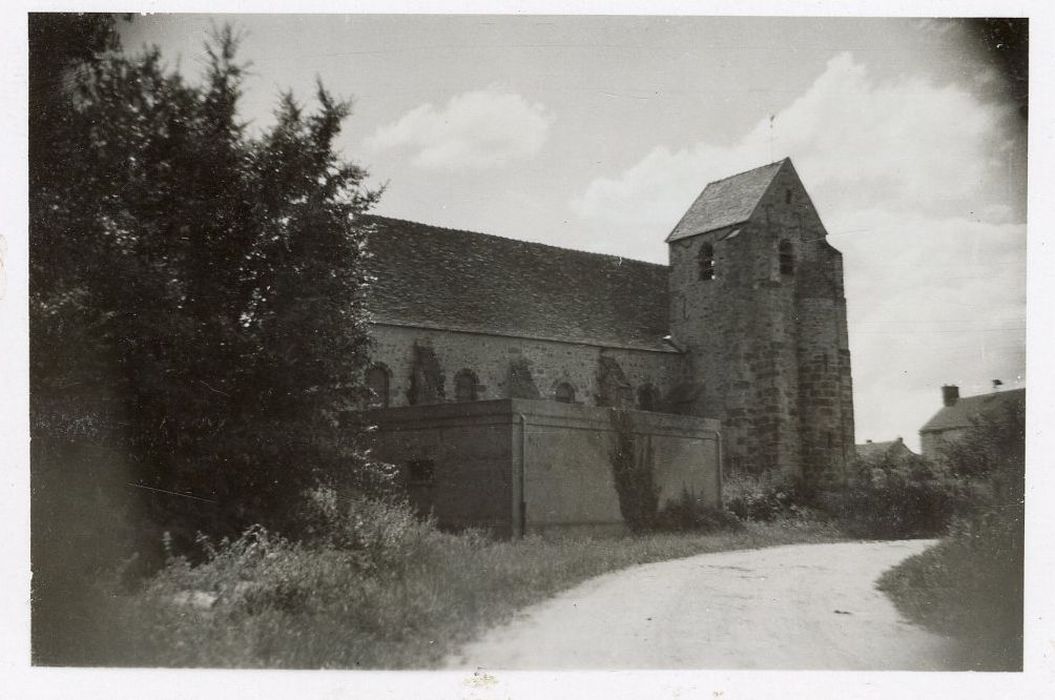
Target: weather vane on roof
772, 117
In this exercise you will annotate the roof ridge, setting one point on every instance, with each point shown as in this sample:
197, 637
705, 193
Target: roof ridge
515, 240
747, 172
769, 185
990, 394
729, 201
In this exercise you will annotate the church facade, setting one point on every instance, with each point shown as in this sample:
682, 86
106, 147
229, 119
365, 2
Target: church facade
746, 325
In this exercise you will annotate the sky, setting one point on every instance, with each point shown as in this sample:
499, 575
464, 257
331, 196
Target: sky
596, 133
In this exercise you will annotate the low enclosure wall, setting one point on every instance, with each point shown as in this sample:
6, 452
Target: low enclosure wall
514, 466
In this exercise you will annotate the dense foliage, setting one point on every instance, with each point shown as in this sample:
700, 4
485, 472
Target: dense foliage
900, 497
196, 289
690, 514
768, 497
372, 587
971, 584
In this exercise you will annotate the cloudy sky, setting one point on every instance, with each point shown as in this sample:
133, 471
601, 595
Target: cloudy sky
596, 133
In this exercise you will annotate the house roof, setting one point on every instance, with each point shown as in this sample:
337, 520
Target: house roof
726, 202
959, 415
876, 450
428, 276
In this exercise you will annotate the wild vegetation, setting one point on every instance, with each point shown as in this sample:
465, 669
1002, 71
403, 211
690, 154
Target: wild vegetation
903, 497
632, 475
372, 587
971, 585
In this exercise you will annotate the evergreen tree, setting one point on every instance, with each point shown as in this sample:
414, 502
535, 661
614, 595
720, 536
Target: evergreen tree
199, 287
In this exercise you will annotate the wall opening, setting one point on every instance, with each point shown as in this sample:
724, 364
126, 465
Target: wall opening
564, 393
466, 386
378, 382
706, 261
647, 397
787, 258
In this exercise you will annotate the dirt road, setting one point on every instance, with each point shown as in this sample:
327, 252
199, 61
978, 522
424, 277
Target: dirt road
795, 607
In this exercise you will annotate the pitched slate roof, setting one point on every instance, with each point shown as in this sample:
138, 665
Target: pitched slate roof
460, 280
726, 202
959, 415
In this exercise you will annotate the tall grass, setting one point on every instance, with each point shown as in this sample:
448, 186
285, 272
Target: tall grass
969, 586
375, 589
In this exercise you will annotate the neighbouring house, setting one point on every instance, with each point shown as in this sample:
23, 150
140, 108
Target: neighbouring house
890, 451
958, 414
496, 361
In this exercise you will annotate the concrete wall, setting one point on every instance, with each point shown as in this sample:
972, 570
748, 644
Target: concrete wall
489, 357
568, 471
470, 446
490, 456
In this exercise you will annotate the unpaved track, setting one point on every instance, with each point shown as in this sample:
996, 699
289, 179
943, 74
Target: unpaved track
794, 607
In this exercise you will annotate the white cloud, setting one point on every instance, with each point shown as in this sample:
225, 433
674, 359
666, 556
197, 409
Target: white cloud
911, 180
856, 142
930, 301
480, 129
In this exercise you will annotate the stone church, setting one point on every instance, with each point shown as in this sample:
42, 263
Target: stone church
746, 326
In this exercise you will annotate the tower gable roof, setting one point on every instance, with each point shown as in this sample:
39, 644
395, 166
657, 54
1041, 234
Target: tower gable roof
726, 202
434, 277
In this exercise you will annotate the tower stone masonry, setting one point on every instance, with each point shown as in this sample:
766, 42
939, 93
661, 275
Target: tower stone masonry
757, 301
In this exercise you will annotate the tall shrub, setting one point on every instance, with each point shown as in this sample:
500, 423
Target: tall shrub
632, 473
200, 288
898, 497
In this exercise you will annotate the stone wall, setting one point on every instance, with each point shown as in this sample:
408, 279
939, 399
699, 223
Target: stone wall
507, 367
515, 466
769, 345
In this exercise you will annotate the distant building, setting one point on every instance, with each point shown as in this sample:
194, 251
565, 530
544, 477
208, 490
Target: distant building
958, 414
875, 452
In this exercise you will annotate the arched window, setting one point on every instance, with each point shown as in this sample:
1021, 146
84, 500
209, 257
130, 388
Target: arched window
787, 258
565, 393
787, 196
647, 397
465, 386
377, 382
706, 257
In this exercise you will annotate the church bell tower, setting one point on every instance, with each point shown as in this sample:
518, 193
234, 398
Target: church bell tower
757, 302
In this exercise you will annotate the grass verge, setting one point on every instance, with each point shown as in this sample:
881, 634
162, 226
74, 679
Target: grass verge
284, 605
968, 586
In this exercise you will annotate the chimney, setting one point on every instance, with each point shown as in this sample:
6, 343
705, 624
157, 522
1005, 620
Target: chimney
997, 384
868, 441
950, 394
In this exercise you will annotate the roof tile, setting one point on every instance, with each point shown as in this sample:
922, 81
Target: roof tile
461, 280
726, 202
